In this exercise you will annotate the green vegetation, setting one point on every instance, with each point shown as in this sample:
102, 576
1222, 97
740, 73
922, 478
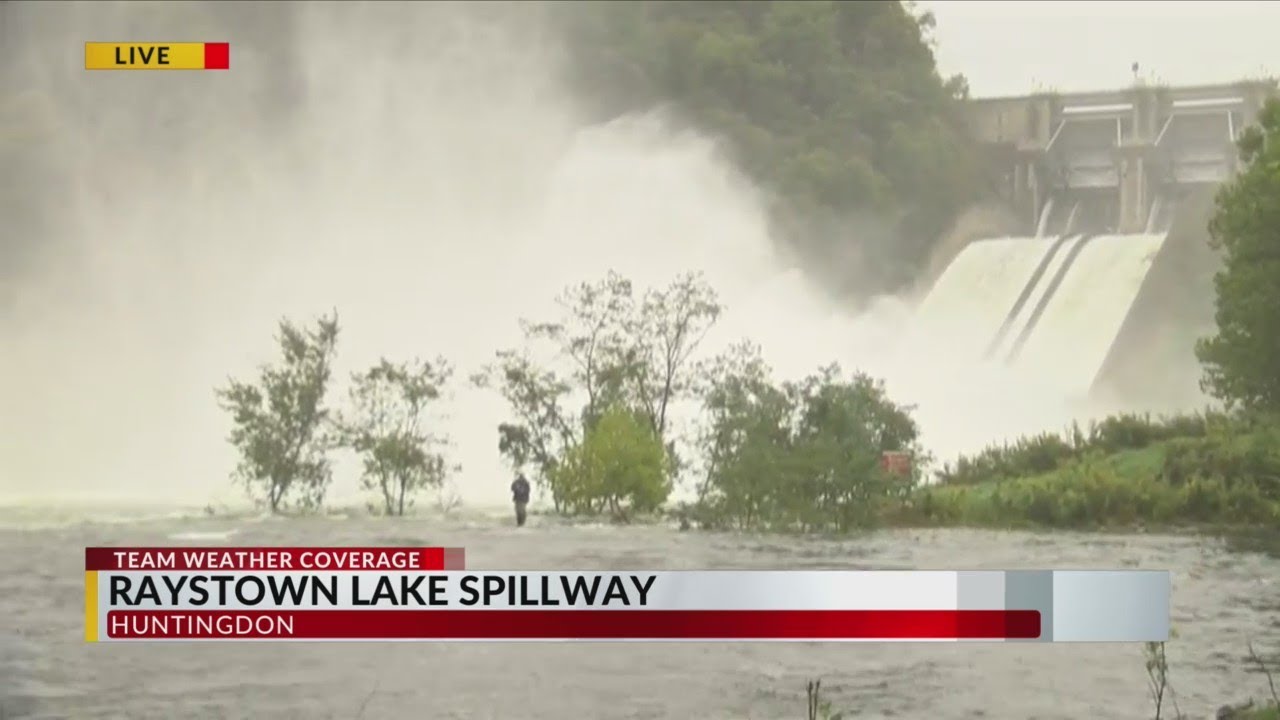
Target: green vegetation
284, 431
1208, 469
797, 456
279, 422
591, 425
1228, 474
1037, 454
835, 108
620, 468
1240, 360
620, 352
386, 427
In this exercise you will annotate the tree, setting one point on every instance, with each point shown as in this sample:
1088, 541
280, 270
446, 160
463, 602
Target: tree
610, 351
278, 423
802, 455
387, 428
745, 444
663, 337
542, 430
619, 468
1240, 360
593, 337
843, 428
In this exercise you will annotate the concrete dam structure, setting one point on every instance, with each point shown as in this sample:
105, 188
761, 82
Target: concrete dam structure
1103, 290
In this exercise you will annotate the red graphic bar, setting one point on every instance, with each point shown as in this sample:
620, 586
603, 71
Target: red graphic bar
576, 624
259, 559
217, 56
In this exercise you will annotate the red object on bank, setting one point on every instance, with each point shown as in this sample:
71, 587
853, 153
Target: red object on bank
896, 463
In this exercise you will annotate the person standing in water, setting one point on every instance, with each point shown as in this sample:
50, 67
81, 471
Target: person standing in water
520, 496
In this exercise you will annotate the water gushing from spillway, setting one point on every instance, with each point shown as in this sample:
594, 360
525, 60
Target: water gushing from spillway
433, 187
1027, 324
420, 168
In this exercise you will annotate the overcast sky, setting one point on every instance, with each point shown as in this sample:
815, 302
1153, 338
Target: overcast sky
1012, 48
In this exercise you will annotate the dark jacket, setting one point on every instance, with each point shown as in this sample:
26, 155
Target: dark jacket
520, 490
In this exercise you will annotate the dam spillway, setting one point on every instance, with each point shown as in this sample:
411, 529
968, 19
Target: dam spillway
1101, 184
1083, 314
1052, 306
985, 277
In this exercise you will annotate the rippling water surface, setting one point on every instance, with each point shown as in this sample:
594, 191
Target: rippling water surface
47, 671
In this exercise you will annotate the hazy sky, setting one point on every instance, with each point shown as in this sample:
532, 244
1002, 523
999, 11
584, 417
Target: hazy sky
1010, 48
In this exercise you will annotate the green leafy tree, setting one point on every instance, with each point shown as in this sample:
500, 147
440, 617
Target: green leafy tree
803, 455
592, 337
844, 427
388, 428
611, 349
279, 421
661, 341
620, 468
746, 441
1240, 360
543, 429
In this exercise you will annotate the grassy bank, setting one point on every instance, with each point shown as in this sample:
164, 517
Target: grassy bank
1210, 473
1121, 490
1193, 472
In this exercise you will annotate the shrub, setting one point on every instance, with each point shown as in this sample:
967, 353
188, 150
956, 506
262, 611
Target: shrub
619, 468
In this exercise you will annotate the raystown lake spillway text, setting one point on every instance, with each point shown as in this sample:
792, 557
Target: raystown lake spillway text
169, 590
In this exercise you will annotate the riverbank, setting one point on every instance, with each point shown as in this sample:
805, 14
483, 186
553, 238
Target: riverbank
1248, 712
1212, 483
1126, 490
1207, 474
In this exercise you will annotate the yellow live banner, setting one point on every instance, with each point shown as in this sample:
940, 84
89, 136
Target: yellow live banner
156, 56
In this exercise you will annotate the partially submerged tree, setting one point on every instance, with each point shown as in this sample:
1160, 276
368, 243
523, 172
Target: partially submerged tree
801, 455
620, 468
388, 428
665, 334
542, 430
616, 352
745, 443
1240, 360
279, 421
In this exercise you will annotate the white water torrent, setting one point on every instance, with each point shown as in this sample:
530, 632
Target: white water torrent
970, 299
1083, 319
1028, 323
1056, 254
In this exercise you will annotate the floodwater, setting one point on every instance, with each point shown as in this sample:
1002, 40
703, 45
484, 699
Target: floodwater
47, 671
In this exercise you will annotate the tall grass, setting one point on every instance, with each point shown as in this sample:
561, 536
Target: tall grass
1037, 454
1127, 470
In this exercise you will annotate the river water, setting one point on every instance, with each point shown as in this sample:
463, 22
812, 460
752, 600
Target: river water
47, 671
